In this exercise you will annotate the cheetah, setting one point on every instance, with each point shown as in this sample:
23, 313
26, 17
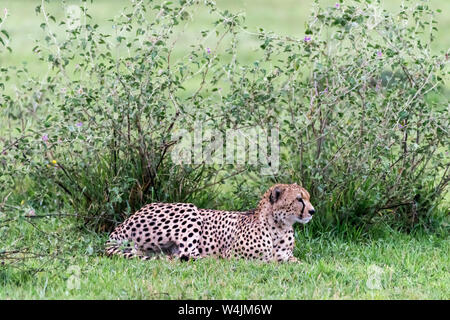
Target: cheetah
186, 232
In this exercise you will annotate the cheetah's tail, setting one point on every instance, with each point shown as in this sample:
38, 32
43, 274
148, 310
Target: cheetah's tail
114, 248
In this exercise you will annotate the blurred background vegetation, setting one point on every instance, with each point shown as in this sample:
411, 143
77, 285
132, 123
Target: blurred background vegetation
285, 17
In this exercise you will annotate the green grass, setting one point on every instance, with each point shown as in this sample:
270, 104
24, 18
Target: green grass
332, 267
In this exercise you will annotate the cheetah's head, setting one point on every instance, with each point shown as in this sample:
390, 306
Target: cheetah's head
289, 203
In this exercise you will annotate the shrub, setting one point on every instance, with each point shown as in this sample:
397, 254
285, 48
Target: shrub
364, 118
358, 104
103, 119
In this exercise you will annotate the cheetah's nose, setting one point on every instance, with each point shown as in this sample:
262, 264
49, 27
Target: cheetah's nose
311, 212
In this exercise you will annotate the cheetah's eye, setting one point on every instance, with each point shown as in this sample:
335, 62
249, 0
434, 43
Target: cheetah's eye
299, 199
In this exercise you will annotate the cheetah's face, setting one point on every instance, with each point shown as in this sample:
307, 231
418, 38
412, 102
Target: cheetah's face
290, 204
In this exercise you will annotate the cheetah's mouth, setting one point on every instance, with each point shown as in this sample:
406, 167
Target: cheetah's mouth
304, 220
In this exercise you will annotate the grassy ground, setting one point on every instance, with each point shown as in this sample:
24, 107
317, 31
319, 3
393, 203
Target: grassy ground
389, 266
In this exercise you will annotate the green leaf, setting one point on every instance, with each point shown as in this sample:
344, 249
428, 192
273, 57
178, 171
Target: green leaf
5, 33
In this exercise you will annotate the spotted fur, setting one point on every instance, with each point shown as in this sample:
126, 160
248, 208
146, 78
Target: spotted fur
182, 230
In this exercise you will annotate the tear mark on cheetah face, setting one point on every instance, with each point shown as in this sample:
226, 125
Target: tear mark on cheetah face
290, 204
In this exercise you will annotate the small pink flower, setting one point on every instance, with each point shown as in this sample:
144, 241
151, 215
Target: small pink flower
80, 91
307, 39
45, 138
337, 5
378, 87
31, 213
208, 50
5, 11
79, 124
379, 54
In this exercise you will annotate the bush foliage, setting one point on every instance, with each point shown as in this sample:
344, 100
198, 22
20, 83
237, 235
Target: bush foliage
358, 103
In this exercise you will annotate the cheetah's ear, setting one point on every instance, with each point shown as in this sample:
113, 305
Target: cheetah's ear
275, 195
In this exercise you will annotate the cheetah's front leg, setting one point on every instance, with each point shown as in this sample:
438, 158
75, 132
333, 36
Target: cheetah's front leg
284, 248
284, 256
